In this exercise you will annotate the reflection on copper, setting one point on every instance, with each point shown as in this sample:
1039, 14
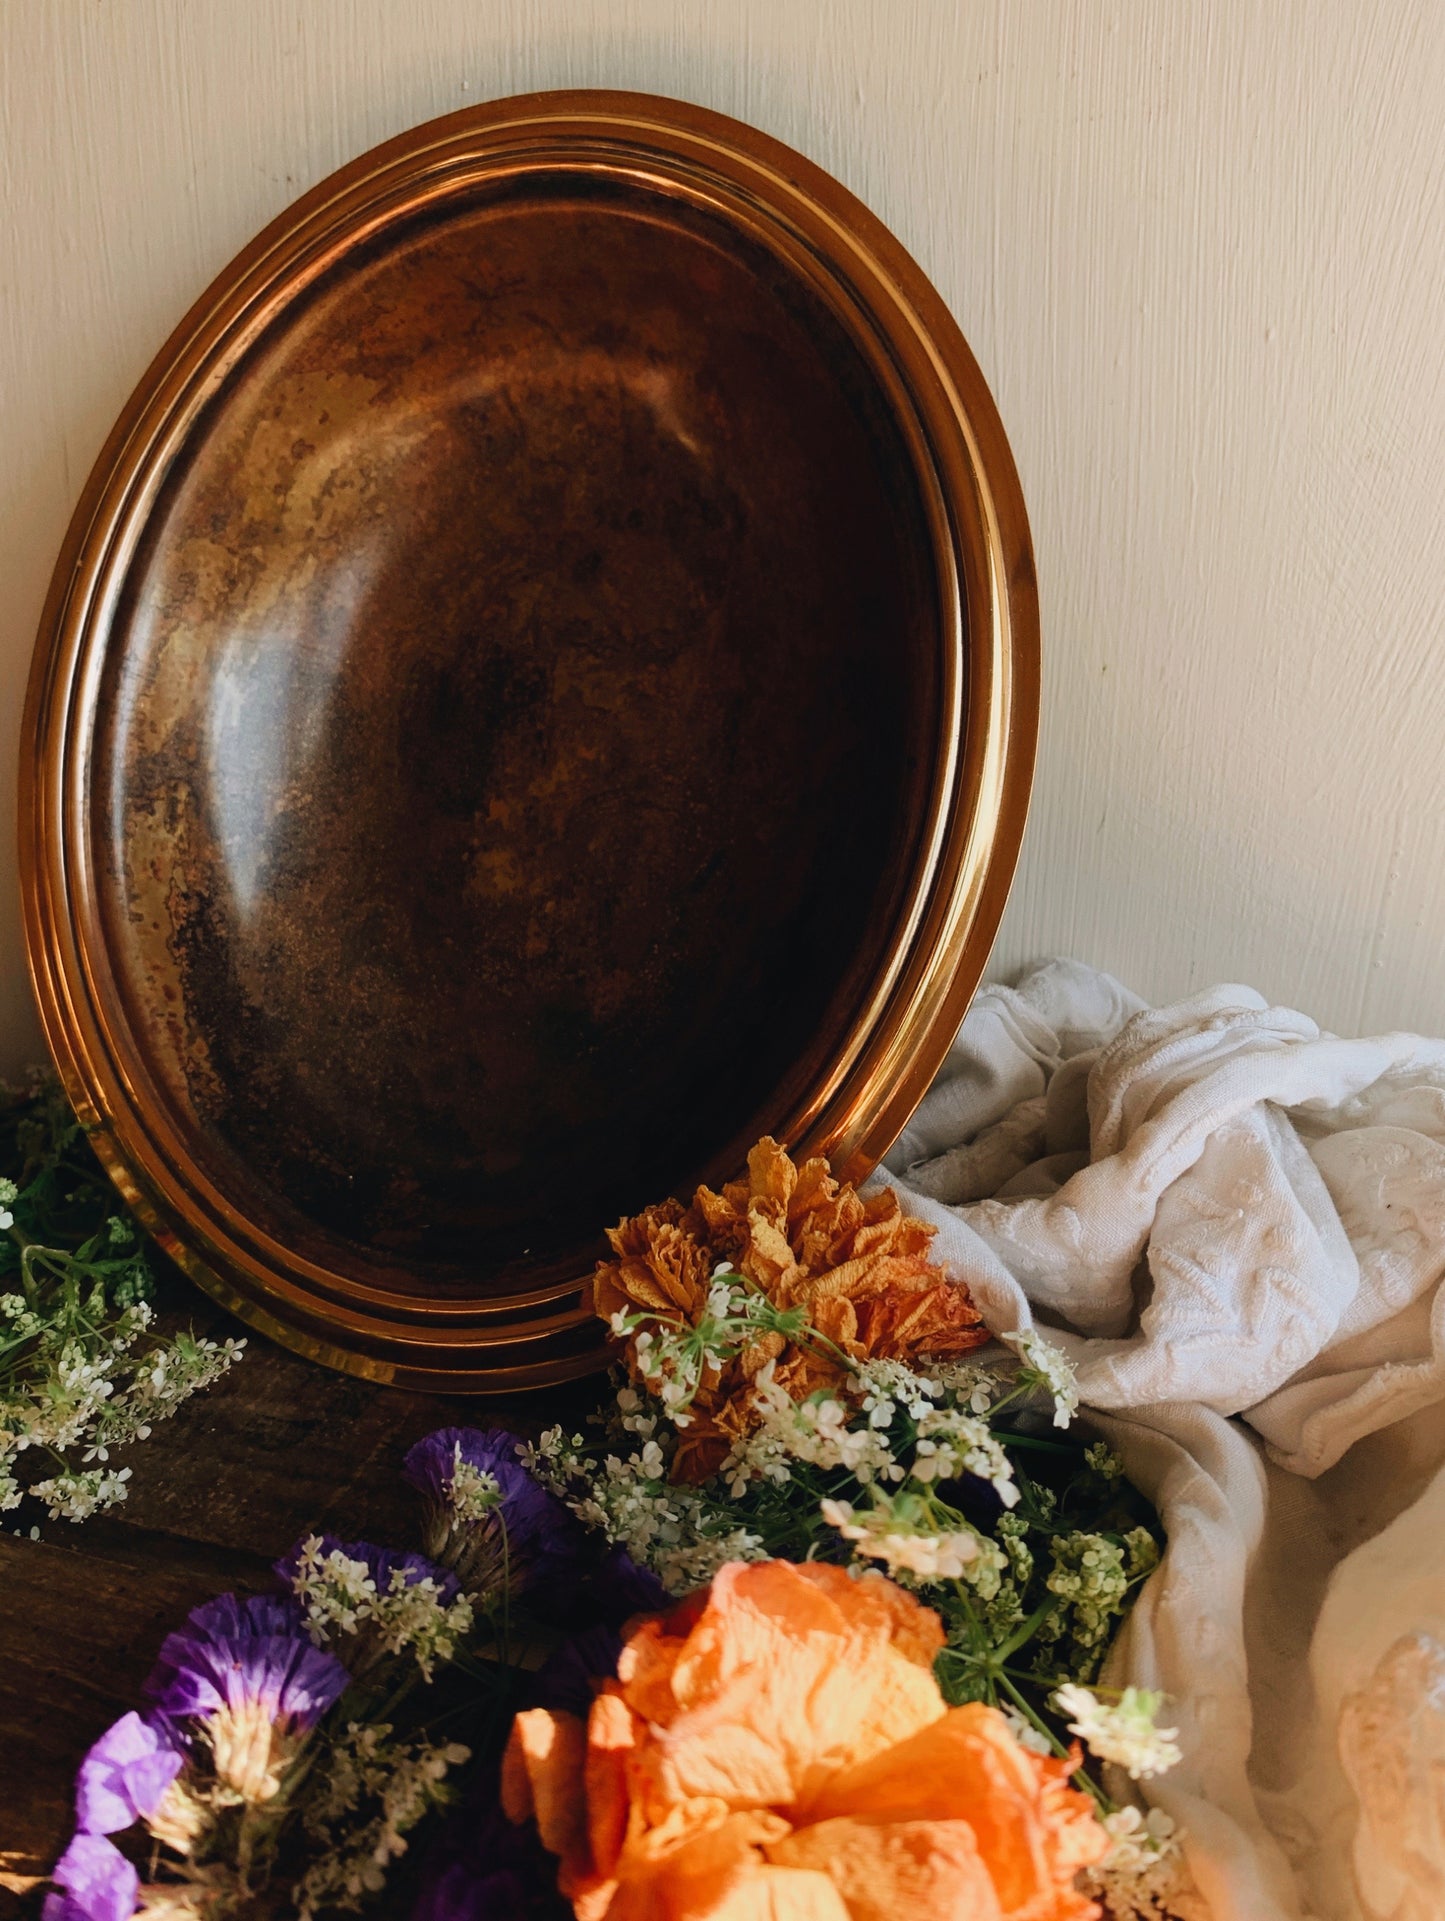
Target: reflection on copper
540, 691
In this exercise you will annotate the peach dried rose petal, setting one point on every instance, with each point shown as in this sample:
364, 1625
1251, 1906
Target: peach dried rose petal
897, 1871
777, 1750
857, 1263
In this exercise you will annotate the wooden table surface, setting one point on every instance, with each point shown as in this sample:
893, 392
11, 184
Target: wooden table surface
275, 1449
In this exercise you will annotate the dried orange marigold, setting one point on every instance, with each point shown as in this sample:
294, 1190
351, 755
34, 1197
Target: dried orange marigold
857, 1265
776, 1749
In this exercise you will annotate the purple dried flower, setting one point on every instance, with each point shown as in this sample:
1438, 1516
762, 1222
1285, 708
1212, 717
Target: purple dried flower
125, 1776
564, 1680
248, 1672
619, 1588
483, 1869
485, 1515
99, 1883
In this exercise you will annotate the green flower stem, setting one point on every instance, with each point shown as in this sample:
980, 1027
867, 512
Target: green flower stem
1025, 1633
1033, 1442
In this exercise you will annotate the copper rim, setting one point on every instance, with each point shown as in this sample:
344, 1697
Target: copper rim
986, 729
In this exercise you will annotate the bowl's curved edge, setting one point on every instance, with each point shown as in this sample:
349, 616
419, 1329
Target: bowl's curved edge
859, 1123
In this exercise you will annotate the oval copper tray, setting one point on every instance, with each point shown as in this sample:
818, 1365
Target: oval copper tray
540, 689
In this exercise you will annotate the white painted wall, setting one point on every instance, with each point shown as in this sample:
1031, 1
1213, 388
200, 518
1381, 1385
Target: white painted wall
1199, 250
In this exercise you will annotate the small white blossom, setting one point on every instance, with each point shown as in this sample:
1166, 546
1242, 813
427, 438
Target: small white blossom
1052, 1369
884, 1386
334, 1589
631, 1500
951, 1443
815, 1431
879, 1535
374, 1793
472, 1492
1125, 1732
1024, 1731
339, 1593
76, 1496
1144, 1876
969, 1384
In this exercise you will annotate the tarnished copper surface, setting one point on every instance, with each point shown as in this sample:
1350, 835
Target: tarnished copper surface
539, 693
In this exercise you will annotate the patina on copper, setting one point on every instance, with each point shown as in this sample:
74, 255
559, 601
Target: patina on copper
540, 691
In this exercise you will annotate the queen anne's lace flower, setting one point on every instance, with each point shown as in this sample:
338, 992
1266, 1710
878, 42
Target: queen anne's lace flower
882, 1536
76, 1495
376, 1790
816, 1430
1144, 1876
632, 1502
1125, 1732
951, 1443
391, 1601
1051, 1368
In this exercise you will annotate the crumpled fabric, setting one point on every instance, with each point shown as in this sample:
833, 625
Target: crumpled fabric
1234, 1223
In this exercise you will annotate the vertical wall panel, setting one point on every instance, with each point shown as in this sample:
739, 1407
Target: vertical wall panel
1199, 252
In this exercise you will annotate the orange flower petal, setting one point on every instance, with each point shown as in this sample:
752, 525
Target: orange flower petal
776, 1749
932, 1321
613, 1732
696, 1869
790, 1674
645, 1667
543, 1774
897, 1871
913, 1629
1033, 1831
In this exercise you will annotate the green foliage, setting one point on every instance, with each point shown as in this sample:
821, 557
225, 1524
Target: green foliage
80, 1375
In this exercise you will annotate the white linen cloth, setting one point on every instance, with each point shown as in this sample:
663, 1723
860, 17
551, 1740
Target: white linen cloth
1235, 1226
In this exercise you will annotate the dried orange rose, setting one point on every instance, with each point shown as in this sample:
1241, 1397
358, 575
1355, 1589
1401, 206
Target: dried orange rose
858, 1266
778, 1750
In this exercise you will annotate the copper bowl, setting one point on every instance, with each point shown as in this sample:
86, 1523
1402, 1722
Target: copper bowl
539, 690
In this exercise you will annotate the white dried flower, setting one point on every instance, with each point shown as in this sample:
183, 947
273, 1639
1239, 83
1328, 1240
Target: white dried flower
1144, 1876
374, 1793
815, 1431
1051, 1369
1024, 1731
951, 1443
1123, 1733
75, 1496
882, 1536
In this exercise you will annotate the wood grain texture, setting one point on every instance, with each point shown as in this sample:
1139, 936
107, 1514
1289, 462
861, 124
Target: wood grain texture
1198, 252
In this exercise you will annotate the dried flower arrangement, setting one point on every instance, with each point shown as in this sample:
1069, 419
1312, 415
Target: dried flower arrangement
81, 1373
659, 1670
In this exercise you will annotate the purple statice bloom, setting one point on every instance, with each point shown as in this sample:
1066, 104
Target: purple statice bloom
565, 1679
611, 1587
618, 1589
99, 1883
125, 1776
234, 1654
485, 1515
481, 1868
